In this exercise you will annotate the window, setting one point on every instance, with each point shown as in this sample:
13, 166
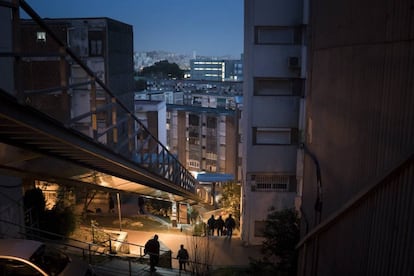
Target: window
277, 87
271, 136
41, 37
193, 164
95, 48
277, 35
211, 122
193, 120
271, 182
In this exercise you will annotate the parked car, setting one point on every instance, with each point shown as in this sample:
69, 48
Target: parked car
29, 257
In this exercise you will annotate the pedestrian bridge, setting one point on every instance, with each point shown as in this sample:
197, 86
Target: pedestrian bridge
100, 145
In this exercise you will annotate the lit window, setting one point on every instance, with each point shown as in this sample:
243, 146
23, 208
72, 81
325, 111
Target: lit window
41, 36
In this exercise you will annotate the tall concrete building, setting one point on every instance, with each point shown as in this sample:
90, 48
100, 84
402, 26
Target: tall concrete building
201, 126
103, 44
273, 108
42, 76
204, 139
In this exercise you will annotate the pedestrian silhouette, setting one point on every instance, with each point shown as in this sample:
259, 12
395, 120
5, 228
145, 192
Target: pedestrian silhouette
219, 226
210, 224
152, 248
182, 257
230, 224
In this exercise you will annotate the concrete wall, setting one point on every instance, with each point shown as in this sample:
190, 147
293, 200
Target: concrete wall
360, 127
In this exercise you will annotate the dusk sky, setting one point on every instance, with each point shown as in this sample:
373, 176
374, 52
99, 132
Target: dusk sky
209, 27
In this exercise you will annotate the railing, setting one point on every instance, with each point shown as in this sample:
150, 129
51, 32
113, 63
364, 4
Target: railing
105, 119
90, 252
365, 233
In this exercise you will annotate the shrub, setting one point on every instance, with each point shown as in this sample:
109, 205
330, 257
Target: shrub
281, 236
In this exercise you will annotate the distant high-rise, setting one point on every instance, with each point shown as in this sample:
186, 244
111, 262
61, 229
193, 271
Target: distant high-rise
207, 69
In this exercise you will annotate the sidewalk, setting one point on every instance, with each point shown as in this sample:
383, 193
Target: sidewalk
223, 251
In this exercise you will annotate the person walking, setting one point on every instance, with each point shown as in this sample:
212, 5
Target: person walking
152, 248
211, 223
220, 226
182, 257
230, 224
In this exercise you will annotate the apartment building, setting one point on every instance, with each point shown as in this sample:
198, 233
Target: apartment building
201, 127
204, 138
273, 108
103, 44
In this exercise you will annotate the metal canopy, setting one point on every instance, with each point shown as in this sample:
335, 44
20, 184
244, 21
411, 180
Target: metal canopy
29, 129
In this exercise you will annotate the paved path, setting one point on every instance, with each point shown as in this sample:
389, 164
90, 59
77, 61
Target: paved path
217, 251
222, 251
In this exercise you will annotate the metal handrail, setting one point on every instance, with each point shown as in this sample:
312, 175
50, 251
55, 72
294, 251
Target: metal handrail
358, 198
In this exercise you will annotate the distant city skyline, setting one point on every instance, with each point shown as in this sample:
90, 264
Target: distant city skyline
206, 28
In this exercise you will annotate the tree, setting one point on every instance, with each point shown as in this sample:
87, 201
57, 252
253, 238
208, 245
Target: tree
59, 220
281, 236
163, 70
140, 85
35, 204
230, 199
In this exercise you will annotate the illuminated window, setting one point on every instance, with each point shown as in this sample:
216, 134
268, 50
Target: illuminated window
193, 164
41, 36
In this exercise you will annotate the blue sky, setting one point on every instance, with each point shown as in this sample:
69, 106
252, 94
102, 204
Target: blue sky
209, 27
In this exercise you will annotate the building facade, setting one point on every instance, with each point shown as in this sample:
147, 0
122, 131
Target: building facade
273, 108
103, 44
359, 159
204, 139
216, 70
201, 126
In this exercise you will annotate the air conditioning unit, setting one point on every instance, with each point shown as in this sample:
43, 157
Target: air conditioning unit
294, 62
